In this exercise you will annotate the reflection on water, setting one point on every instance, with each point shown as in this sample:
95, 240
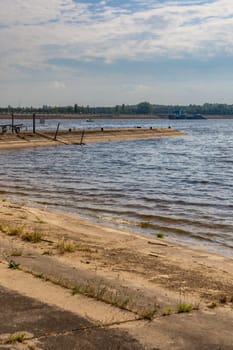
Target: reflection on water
181, 186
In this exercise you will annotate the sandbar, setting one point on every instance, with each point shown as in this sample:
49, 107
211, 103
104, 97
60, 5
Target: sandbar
76, 137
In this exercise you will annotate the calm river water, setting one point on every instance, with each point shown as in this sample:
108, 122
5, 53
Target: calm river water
180, 186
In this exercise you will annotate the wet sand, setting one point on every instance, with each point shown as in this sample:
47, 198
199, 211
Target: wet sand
134, 283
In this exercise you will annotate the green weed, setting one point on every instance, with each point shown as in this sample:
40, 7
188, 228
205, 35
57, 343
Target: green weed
13, 265
75, 290
160, 235
148, 314
184, 308
167, 311
16, 338
212, 305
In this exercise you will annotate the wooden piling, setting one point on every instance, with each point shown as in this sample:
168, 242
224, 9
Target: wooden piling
82, 136
12, 122
34, 123
55, 136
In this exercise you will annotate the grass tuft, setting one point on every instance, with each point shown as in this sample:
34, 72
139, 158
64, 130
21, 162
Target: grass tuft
13, 265
75, 290
149, 314
39, 221
15, 231
47, 252
167, 311
16, 338
160, 235
101, 292
33, 237
66, 246
184, 308
212, 305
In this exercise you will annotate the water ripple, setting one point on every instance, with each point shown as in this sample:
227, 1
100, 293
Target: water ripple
181, 186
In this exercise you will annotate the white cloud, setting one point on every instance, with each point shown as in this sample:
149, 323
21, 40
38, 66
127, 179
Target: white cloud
57, 85
34, 33
172, 29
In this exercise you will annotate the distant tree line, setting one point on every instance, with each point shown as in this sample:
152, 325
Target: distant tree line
145, 108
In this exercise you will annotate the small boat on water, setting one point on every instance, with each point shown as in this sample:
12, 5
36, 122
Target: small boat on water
180, 115
90, 120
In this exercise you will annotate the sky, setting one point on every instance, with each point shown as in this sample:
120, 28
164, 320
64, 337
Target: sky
109, 52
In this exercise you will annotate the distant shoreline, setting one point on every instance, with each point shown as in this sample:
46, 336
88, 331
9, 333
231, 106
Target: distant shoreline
101, 116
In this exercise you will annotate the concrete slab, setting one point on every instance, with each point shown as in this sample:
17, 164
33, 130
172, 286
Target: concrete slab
48, 327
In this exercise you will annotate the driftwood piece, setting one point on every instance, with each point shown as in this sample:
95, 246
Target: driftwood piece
159, 243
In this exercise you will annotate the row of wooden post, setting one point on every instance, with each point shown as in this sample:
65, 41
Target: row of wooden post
33, 122
34, 127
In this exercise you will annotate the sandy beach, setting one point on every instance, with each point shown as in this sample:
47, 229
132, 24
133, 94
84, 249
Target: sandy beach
164, 295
